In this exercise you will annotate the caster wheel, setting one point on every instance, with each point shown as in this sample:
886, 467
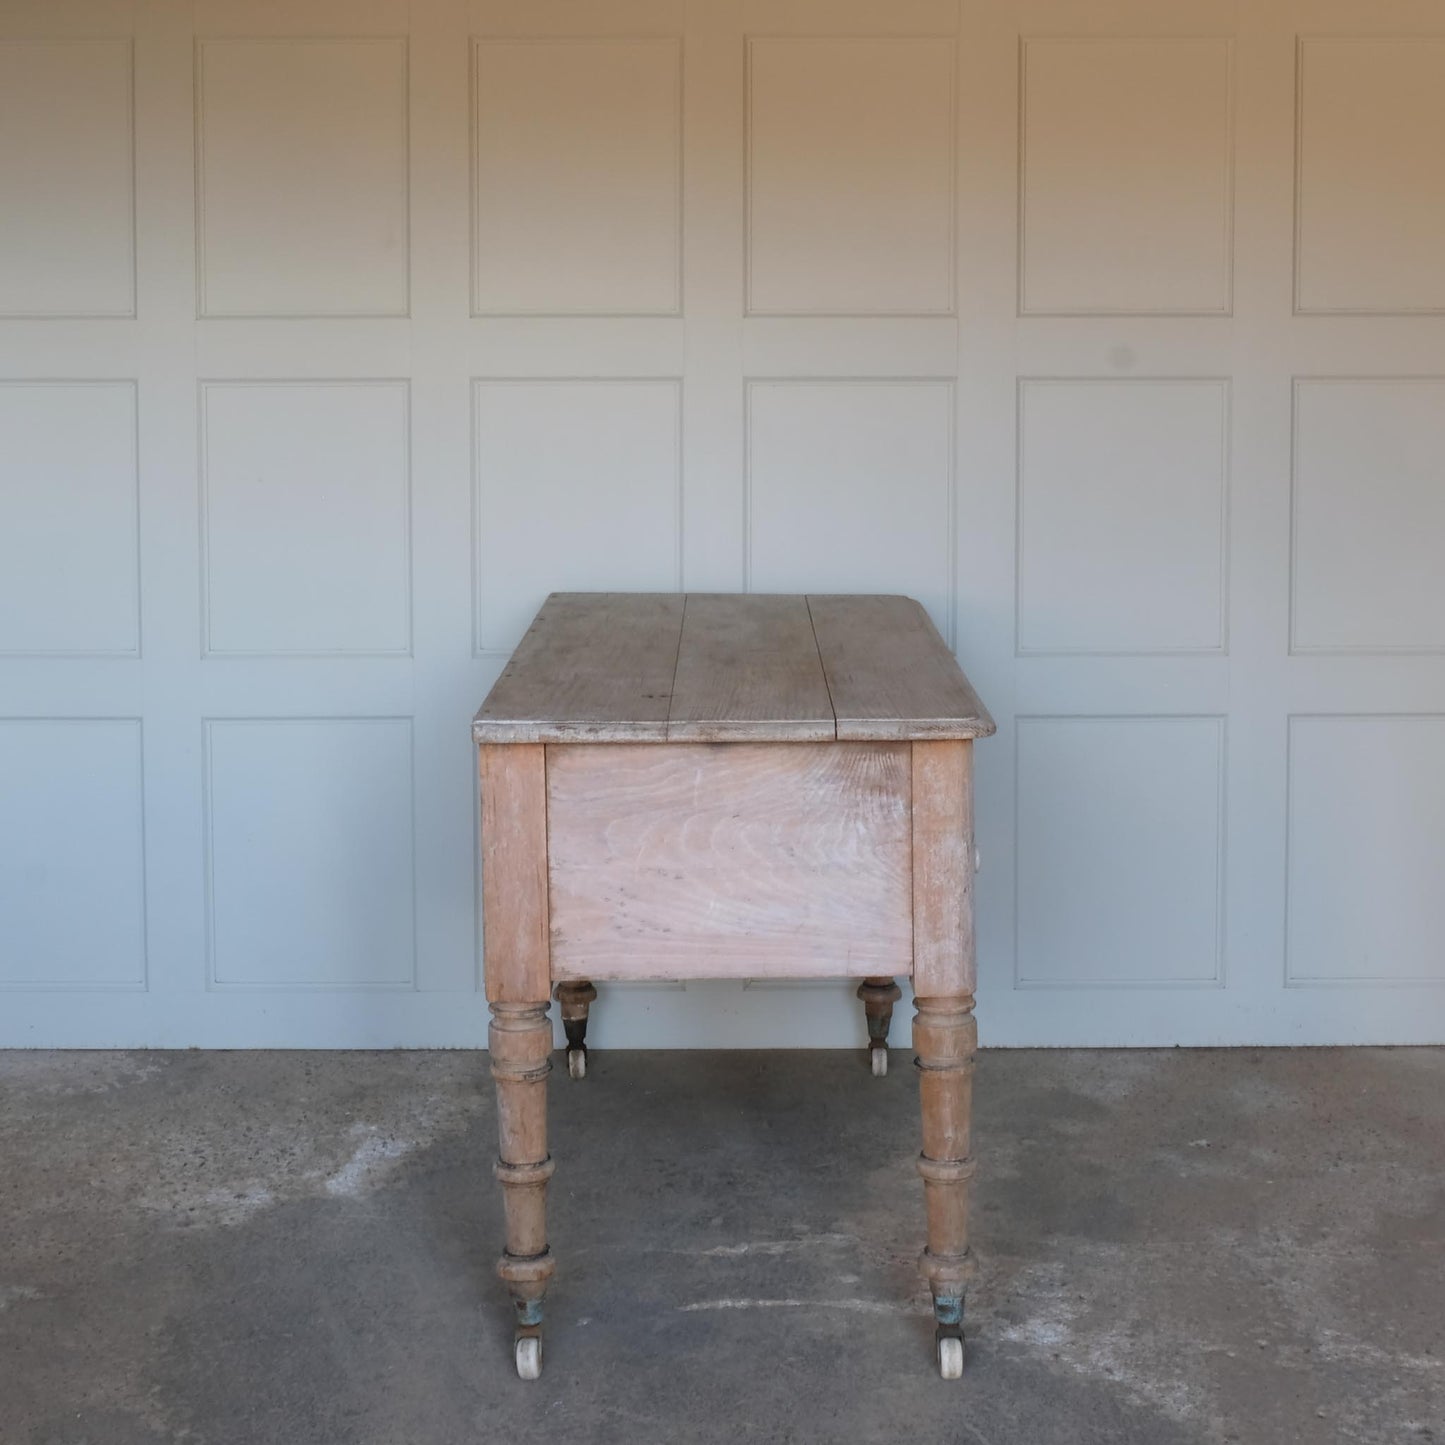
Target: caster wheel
528, 1352
878, 1058
576, 1063
950, 1357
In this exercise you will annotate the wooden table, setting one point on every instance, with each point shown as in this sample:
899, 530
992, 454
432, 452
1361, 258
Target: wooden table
720, 786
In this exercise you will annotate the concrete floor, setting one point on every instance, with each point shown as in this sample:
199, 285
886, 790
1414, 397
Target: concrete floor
1175, 1247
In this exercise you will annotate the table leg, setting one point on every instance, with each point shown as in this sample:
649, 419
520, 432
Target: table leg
520, 1039
879, 995
945, 1037
575, 997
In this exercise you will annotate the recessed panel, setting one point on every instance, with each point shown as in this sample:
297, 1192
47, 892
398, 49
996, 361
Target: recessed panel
577, 176
309, 837
850, 489
67, 224
302, 169
850, 177
1119, 838
1369, 515
1366, 850
68, 548
306, 517
1126, 165
685, 860
72, 871
1121, 516
1371, 202
577, 490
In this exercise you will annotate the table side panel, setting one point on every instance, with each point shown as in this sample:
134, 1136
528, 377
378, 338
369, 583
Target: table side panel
593, 665
889, 673
748, 670
689, 860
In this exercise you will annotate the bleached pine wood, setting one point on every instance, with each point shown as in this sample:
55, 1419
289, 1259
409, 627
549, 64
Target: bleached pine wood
945, 1040
514, 873
945, 1036
593, 666
759, 825
943, 946
519, 1042
649, 667
751, 860
748, 669
889, 673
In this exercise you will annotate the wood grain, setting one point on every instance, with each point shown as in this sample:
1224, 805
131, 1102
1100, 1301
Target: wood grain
514, 873
748, 669
690, 860
943, 948
630, 667
945, 1040
889, 673
593, 666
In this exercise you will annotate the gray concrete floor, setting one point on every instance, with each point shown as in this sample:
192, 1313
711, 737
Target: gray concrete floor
1176, 1247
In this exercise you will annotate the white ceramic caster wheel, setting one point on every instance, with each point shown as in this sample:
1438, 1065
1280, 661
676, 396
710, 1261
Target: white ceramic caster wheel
529, 1357
576, 1064
879, 1059
950, 1357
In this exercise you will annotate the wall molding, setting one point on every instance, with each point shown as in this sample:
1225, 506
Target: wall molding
485, 648
200, 44
1218, 980
214, 984
1226, 481
750, 42
1023, 309
203, 387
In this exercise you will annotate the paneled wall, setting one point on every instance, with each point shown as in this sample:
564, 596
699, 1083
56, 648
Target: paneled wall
335, 333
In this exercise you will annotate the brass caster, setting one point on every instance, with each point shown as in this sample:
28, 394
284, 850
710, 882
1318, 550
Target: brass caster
878, 1058
577, 1063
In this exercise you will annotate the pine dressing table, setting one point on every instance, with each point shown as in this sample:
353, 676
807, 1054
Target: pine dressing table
720, 786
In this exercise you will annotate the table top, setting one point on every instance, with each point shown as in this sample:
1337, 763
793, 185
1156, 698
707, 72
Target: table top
726, 667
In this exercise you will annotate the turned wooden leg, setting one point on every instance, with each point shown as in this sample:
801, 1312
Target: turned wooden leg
575, 998
520, 1039
879, 995
945, 1037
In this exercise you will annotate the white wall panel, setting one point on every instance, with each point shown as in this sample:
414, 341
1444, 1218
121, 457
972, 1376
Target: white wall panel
309, 852
1126, 164
335, 333
302, 199
67, 241
850, 176
72, 858
1120, 832
577, 177
1366, 850
1369, 515
1371, 176
69, 562
850, 489
1122, 488
577, 488
305, 514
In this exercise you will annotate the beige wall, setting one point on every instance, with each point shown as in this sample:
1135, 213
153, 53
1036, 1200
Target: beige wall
334, 334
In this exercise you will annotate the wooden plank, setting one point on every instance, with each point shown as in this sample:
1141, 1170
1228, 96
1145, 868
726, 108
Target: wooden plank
749, 861
890, 674
594, 666
514, 873
943, 948
748, 671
